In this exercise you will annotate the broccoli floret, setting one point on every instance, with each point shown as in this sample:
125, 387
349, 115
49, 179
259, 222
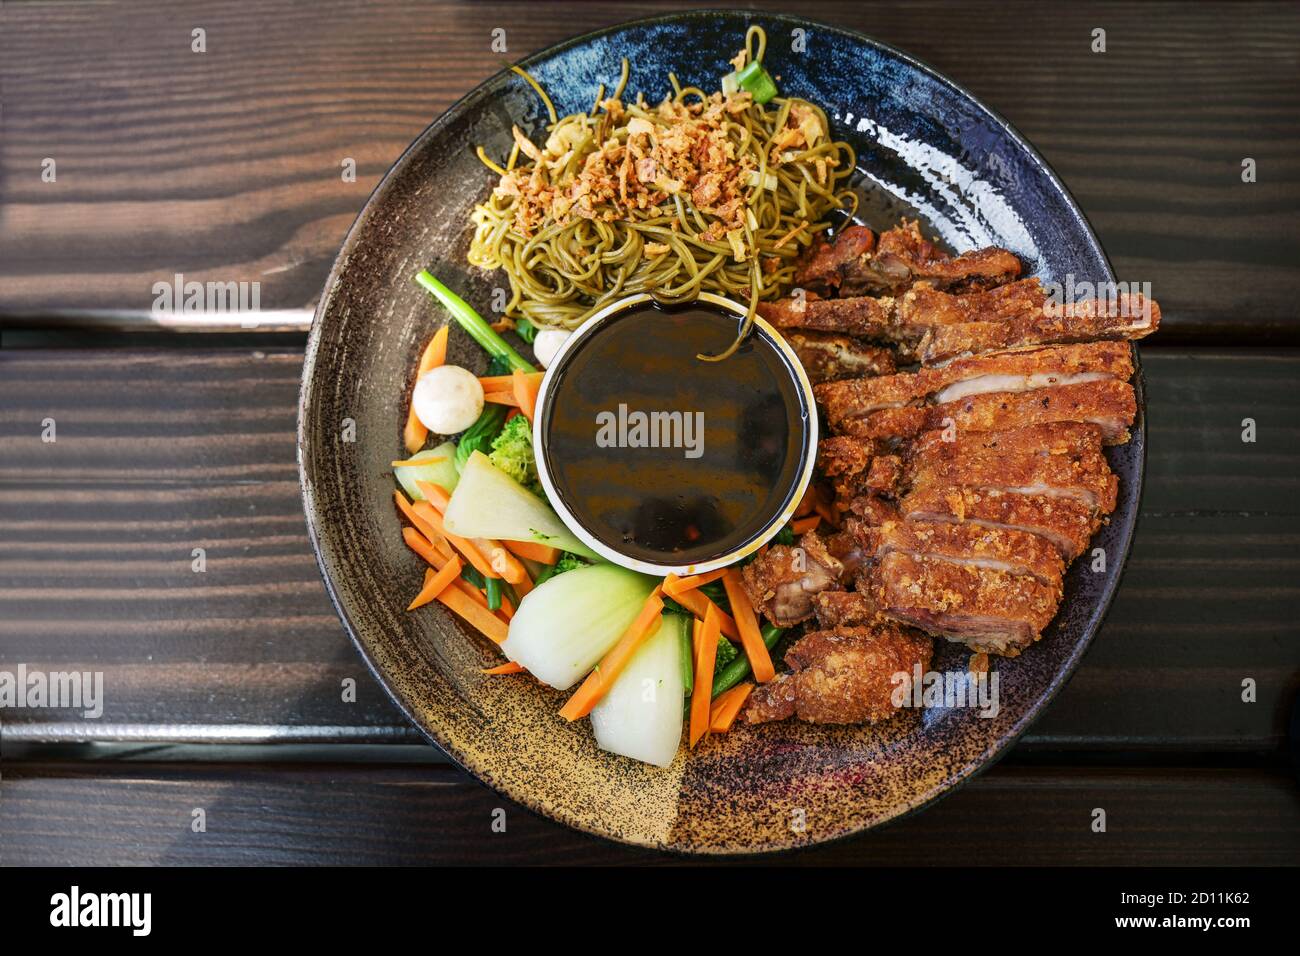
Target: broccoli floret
726, 654
512, 453
568, 562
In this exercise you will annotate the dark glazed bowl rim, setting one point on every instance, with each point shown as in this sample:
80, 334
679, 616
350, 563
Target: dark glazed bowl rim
1101, 604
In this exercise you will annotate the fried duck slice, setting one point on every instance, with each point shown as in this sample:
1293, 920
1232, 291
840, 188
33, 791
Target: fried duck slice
903, 256
1022, 370
841, 676
1109, 404
1000, 549
991, 611
783, 582
819, 267
1132, 316
861, 316
828, 357
1066, 523
1060, 459
846, 609
858, 466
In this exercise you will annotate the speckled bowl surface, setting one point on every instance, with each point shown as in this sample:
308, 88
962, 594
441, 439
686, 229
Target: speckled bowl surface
925, 148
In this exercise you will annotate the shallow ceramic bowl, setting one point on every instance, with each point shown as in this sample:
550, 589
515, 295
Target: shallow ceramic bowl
925, 148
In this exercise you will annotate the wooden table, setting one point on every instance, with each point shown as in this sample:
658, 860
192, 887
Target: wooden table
225, 686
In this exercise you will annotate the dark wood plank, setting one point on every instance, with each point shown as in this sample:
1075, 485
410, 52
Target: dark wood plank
74, 814
159, 452
226, 165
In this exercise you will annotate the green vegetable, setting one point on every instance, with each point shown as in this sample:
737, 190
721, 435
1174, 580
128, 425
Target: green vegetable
512, 452
442, 473
640, 716
716, 592
739, 669
488, 503
526, 330
784, 536
685, 637
472, 575
478, 437
473, 323
726, 653
757, 82
567, 562
563, 627
493, 590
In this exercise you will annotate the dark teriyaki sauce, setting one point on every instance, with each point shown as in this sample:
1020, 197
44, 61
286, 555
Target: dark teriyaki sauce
685, 502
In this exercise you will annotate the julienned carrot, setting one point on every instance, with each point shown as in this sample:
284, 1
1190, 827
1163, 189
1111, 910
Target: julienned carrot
698, 603
471, 592
429, 516
432, 553
436, 581
509, 667
415, 434
824, 508
541, 553
430, 532
600, 680
751, 638
488, 624
501, 398
525, 389
673, 585
505, 383
807, 503
436, 495
415, 461
706, 653
727, 705
802, 525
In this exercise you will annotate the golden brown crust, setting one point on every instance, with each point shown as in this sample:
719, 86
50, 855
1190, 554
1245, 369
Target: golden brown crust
842, 676
1065, 523
829, 357
860, 316
819, 266
903, 256
782, 583
998, 548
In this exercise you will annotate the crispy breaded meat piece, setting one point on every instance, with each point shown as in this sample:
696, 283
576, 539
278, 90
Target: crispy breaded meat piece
857, 466
846, 609
903, 256
841, 676
828, 357
1066, 523
1132, 316
997, 548
861, 316
1108, 403
925, 308
783, 582
1021, 370
1062, 459
990, 611
819, 266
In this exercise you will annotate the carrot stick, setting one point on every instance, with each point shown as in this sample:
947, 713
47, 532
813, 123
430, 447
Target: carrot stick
431, 532
505, 383
436, 581
699, 604
436, 495
478, 616
415, 434
802, 525
525, 390
425, 548
706, 653
501, 398
505, 564
541, 553
471, 592
600, 680
415, 461
750, 636
673, 585
509, 667
807, 503
426, 513
512, 413
727, 707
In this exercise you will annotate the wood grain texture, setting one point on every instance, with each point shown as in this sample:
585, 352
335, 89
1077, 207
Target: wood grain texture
159, 452
226, 165
71, 814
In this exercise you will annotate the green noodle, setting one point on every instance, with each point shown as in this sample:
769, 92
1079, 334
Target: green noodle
566, 270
